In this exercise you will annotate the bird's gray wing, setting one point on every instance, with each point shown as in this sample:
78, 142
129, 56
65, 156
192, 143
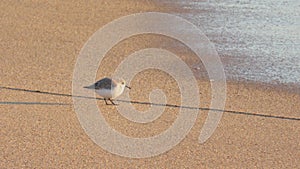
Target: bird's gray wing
105, 83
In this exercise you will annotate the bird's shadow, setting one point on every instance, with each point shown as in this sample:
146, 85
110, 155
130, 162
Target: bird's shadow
34, 103
134, 102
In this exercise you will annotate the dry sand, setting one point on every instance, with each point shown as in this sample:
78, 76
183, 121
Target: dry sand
40, 41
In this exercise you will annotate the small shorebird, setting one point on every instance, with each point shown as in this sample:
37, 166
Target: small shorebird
109, 88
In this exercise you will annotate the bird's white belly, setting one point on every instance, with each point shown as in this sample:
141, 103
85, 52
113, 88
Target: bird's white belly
105, 93
110, 93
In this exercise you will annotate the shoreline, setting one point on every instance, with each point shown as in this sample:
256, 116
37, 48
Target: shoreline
290, 88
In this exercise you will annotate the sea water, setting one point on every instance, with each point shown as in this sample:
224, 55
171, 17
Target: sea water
260, 40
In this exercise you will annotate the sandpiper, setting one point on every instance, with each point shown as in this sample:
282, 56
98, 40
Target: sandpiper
109, 88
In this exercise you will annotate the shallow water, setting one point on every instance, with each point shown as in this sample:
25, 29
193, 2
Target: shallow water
260, 40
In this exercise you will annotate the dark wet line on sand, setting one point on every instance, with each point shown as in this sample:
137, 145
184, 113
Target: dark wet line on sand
215, 110
35, 103
138, 102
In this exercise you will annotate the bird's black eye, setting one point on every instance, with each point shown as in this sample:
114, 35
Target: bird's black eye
123, 83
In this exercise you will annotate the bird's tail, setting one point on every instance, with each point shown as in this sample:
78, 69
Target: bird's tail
89, 87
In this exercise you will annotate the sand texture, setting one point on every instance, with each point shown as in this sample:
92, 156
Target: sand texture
40, 42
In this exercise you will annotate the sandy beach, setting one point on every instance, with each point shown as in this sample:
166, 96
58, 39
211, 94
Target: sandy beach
40, 42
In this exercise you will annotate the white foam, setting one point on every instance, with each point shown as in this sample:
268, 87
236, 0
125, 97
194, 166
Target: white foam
262, 36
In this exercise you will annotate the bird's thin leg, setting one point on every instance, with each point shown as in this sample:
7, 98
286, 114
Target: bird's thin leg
111, 102
105, 101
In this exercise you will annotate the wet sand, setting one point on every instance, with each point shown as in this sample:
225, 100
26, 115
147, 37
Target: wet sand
40, 42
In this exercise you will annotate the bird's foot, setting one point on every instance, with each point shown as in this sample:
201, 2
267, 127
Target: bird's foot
112, 103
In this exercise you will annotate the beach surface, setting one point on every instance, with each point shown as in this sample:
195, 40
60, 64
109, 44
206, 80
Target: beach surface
40, 42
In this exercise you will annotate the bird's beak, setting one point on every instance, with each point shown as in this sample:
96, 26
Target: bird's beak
128, 87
